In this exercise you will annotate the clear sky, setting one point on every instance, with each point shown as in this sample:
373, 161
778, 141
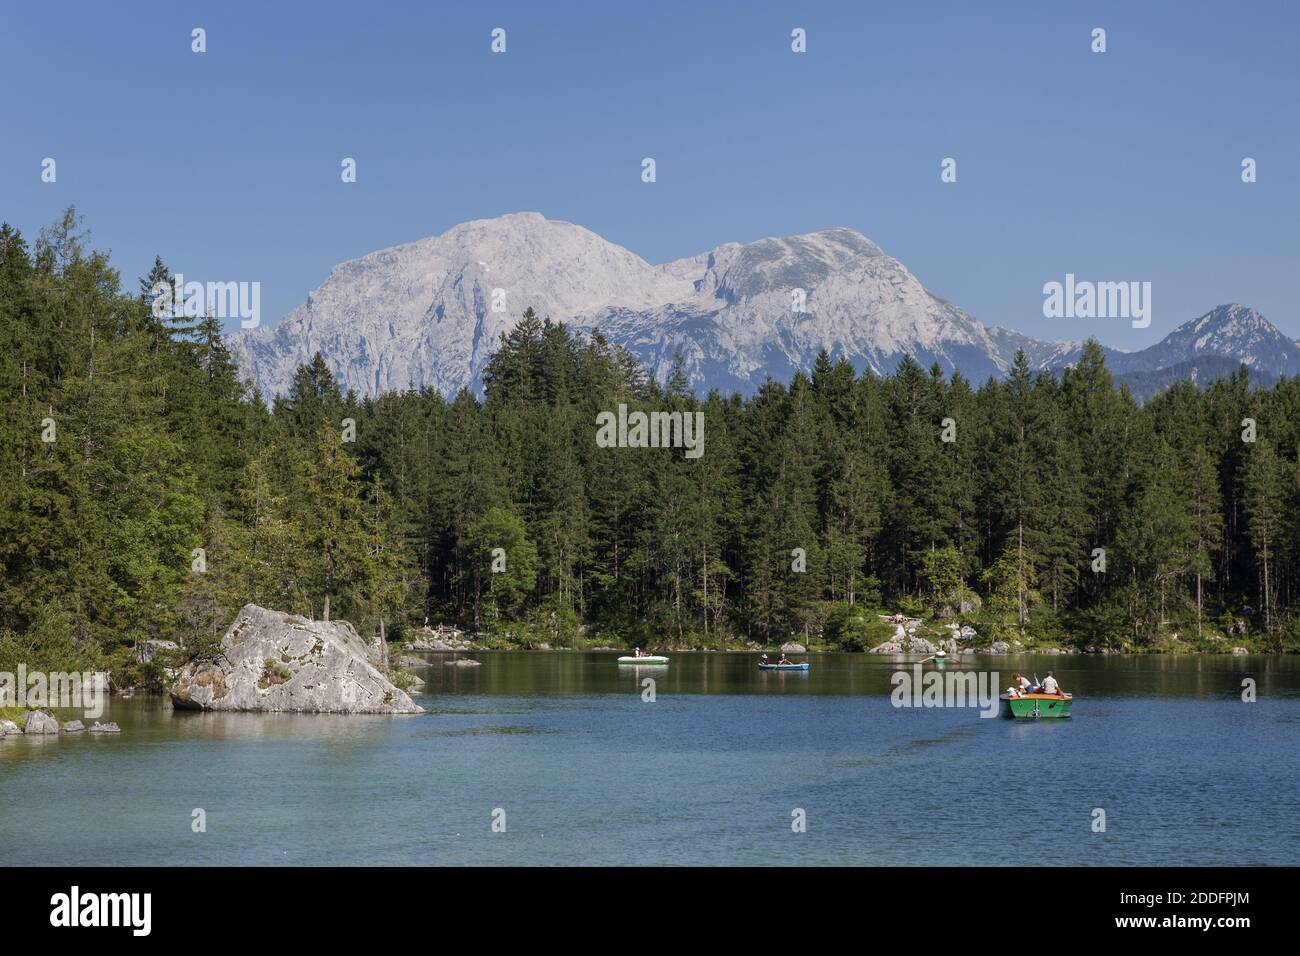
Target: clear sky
1117, 166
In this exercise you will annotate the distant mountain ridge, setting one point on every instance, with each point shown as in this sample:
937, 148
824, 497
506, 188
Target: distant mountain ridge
430, 312
1200, 372
1228, 331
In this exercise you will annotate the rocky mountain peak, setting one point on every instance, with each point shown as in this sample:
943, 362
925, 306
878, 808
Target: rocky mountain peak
429, 313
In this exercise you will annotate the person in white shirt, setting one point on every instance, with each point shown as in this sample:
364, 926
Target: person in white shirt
1050, 686
1021, 684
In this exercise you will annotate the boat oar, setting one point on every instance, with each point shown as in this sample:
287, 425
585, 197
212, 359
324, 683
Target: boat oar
923, 660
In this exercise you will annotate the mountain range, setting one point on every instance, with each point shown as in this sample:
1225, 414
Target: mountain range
430, 312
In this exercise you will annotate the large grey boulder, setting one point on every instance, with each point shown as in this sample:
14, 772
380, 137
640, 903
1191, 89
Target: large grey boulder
793, 648
278, 662
73, 727
9, 727
39, 722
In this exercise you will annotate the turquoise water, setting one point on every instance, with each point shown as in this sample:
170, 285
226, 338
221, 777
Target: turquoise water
587, 772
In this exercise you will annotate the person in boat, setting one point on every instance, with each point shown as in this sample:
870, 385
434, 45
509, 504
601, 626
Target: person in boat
763, 659
1050, 686
1020, 683
636, 652
784, 659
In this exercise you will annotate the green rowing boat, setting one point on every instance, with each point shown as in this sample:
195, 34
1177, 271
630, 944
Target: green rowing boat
1033, 706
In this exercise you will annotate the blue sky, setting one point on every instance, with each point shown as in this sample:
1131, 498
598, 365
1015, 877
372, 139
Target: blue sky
1116, 166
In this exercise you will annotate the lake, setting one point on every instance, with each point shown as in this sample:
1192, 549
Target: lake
584, 771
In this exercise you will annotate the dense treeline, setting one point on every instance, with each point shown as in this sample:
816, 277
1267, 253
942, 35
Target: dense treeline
147, 493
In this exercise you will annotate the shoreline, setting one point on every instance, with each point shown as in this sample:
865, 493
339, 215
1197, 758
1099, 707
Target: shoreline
972, 652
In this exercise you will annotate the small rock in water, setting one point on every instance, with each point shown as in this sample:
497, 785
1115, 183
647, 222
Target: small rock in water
9, 727
464, 662
105, 728
73, 727
39, 722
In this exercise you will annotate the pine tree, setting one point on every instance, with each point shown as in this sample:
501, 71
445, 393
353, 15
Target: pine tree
334, 534
1264, 498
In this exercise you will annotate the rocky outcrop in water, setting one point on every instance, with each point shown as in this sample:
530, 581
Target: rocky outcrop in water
39, 722
910, 644
277, 662
441, 638
905, 639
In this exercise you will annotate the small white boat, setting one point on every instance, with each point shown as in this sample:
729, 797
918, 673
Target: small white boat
644, 659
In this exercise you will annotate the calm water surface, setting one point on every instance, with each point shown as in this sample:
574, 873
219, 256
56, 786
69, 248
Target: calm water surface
588, 773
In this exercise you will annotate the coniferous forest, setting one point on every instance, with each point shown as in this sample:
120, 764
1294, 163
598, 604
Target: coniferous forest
147, 494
